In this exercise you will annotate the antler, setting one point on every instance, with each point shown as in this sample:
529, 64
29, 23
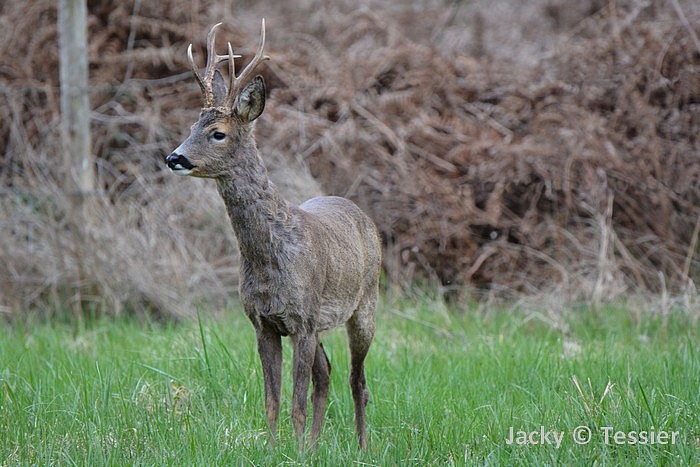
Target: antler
213, 60
236, 83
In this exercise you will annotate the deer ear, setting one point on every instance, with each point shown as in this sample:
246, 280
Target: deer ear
251, 101
219, 89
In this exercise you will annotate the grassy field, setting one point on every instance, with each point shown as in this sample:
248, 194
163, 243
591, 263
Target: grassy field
448, 387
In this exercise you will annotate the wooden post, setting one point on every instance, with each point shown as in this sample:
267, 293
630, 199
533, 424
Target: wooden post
75, 105
78, 170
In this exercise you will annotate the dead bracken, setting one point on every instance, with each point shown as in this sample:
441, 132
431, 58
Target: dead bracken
563, 158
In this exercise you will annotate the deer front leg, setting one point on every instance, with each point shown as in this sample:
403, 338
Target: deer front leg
304, 354
270, 350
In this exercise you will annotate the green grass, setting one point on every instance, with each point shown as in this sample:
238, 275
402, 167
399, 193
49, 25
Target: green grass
446, 387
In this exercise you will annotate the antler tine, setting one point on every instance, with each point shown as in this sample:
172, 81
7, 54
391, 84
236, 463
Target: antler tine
231, 70
213, 59
235, 83
195, 72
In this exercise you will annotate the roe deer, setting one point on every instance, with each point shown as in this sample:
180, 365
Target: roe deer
304, 269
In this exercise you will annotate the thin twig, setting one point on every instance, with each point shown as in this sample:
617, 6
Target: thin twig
438, 329
691, 251
686, 24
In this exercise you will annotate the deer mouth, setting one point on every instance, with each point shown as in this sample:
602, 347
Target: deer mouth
179, 164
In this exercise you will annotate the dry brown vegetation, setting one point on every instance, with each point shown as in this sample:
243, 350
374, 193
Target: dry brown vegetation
513, 147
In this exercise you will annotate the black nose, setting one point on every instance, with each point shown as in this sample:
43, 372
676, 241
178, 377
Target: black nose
178, 162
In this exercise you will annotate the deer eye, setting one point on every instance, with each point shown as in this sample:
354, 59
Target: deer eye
219, 136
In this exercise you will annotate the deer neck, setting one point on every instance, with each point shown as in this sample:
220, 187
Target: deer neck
261, 218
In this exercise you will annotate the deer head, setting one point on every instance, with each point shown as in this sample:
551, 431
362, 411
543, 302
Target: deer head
228, 111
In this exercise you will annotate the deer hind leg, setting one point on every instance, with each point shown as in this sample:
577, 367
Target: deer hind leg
304, 356
360, 333
320, 375
270, 350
